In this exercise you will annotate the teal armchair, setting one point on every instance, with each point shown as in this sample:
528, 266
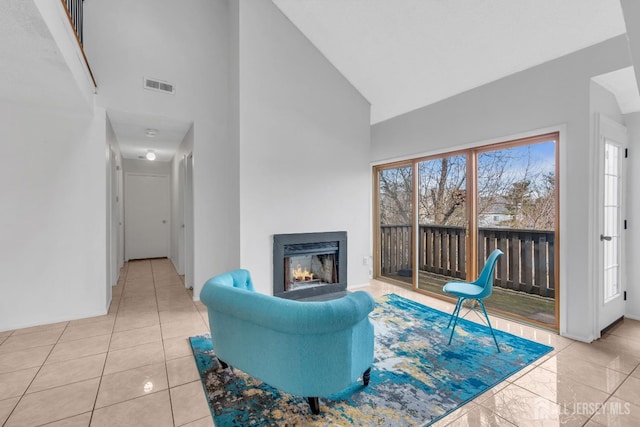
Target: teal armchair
311, 349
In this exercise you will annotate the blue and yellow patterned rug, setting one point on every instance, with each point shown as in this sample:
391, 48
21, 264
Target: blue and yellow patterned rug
416, 377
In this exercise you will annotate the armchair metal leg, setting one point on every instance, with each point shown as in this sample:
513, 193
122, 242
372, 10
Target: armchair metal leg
314, 403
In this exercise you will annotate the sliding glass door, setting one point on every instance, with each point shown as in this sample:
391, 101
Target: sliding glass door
395, 219
516, 205
442, 221
439, 217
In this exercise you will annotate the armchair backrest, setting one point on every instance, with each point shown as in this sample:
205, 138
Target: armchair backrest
485, 280
236, 278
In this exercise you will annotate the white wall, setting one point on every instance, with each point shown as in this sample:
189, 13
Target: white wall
114, 192
633, 207
146, 167
187, 46
178, 237
53, 218
554, 94
304, 145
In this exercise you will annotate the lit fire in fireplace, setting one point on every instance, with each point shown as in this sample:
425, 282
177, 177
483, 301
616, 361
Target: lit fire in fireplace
300, 275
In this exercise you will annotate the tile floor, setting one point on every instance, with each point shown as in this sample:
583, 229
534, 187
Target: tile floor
133, 367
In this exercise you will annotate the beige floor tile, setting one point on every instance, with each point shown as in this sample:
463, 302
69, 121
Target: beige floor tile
622, 344
134, 357
184, 329
138, 295
35, 339
636, 372
560, 388
182, 371
54, 404
106, 318
189, 403
81, 420
599, 355
134, 337
126, 385
55, 374
87, 330
177, 347
629, 390
14, 384
491, 392
585, 372
480, 416
24, 359
202, 422
186, 316
79, 348
525, 408
136, 320
40, 328
113, 307
3, 338
455, 414
627, 328
6, 406
617, 413
153, 410
171, 303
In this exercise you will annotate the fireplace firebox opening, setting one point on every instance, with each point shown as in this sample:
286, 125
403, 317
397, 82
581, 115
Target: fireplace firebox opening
306, 265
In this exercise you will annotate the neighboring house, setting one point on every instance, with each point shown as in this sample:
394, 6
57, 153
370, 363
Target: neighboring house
270, 121
495, 214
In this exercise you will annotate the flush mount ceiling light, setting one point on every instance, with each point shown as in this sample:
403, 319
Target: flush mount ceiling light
151, 155
150, 132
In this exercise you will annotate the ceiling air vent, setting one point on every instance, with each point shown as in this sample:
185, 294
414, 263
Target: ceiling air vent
159, 85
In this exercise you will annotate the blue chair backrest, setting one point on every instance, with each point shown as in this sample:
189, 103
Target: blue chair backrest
485, 280
236, 278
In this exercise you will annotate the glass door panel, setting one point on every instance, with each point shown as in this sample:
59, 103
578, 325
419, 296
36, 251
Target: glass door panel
611, 213
516, 213
395, 222
442, 221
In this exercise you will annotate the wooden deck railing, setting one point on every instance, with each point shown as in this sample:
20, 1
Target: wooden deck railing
527, 266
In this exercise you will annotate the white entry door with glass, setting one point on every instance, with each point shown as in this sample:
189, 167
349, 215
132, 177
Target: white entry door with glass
610, 266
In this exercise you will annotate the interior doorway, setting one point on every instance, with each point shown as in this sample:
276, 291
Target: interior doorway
147, 216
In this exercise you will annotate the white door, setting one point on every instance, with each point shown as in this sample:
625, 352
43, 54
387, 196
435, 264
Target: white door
612, 149
146, 216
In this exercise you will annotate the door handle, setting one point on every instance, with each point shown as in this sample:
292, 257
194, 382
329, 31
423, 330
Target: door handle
607, 238
164, 221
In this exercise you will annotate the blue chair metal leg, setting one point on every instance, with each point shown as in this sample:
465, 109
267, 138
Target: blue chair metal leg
456, 314
489, 323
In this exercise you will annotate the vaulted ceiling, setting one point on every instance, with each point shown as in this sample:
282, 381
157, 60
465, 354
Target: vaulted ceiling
405, 54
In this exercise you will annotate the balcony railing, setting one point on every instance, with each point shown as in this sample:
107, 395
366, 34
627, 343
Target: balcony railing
74, 9
527, 266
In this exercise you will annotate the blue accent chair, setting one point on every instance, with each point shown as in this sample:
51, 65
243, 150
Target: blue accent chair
310, 349
477, 291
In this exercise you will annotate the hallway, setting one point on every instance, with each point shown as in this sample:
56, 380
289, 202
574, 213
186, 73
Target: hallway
132, 367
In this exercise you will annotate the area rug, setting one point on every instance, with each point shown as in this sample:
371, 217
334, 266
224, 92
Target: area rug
416, 377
